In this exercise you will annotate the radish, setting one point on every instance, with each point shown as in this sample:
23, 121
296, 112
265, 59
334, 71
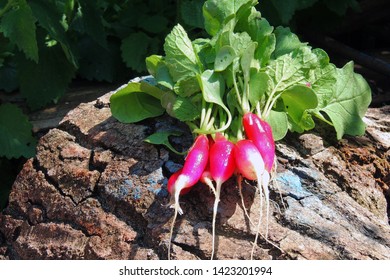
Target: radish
251, 166
260, 132
194, 166
172, 181
248, 160
222, 167
249, 163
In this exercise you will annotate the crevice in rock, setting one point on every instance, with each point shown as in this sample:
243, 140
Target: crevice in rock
74, 131
190, 249
94, 194
50, 180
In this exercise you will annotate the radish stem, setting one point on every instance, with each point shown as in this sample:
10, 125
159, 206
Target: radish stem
236, 89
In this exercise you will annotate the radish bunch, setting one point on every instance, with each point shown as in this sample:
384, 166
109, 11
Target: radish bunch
214, 161
240, 89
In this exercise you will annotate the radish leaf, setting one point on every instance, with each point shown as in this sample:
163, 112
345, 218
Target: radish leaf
322, 81
216, 12
247, 59
136, 102
286, 41
297, 100
184, 110
213, 87
163, 77
349, 102
279, 123
187, 86
258, 84
181, 58
224, 58
246, 65
261, 32
152, 62
284, 72
162, 138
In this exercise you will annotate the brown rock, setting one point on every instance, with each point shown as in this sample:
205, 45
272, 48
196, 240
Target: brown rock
96, 190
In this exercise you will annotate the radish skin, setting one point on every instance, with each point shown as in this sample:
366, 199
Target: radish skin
194, 166
260, 132
222, 162
248, 160
172, 181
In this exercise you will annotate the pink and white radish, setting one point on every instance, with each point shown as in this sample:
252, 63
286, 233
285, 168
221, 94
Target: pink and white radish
260, 132
222, 167
194, 166
251, 166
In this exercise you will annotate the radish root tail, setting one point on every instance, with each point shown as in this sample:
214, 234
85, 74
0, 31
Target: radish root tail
177, 208
215, 210
239, 183
259, 183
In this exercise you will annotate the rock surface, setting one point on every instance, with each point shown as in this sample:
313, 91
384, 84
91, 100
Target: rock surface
96, 190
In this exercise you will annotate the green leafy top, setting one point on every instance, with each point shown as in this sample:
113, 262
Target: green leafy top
247, 65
